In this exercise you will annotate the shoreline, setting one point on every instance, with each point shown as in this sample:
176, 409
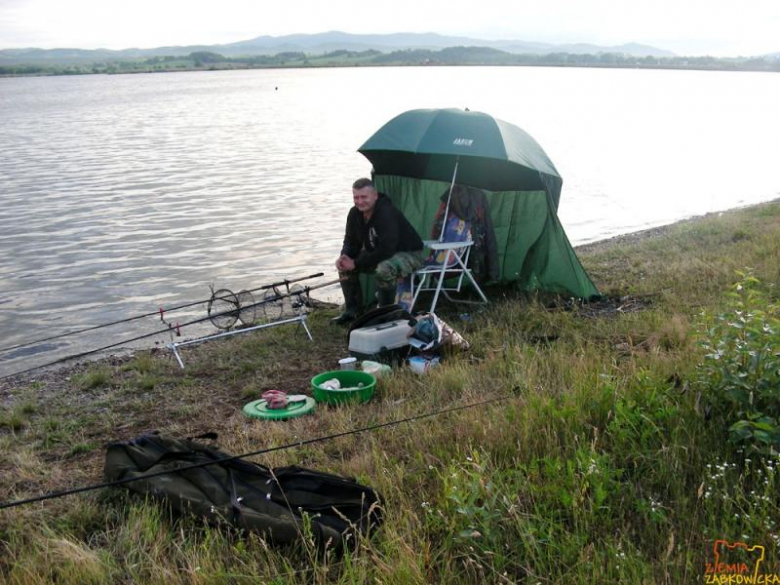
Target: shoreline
661, 230
45, 374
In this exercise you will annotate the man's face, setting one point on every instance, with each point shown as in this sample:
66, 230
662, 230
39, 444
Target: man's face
365, 198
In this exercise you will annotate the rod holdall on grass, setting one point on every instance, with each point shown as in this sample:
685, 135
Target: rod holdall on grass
245, 494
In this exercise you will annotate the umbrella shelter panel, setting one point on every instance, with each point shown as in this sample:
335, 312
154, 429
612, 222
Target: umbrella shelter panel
532, 247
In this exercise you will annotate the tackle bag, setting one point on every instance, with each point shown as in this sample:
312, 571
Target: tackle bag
380, 315
247, 495
431, 334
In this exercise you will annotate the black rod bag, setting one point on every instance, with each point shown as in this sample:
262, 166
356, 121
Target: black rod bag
270, 501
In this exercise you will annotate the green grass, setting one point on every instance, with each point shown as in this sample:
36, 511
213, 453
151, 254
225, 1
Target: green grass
603, 462
94, 378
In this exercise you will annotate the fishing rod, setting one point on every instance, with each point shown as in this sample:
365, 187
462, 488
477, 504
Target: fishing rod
248, 318
284, 447
161, 311
171, 328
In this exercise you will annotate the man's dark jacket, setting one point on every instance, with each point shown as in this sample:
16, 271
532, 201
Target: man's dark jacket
387, 231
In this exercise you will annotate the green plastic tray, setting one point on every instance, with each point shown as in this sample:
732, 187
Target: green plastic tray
259, 409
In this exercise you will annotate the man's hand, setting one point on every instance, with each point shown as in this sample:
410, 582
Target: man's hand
345, 263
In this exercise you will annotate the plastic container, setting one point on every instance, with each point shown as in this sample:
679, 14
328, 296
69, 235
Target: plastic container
348, 363
347, 379
378, 340
421, 365
375, 368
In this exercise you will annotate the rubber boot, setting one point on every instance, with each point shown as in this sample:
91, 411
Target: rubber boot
385, 297
353, 299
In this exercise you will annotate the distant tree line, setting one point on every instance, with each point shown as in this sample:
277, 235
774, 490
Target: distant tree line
209, 60
488, 56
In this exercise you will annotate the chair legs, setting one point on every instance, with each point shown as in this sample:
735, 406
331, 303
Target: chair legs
422, 278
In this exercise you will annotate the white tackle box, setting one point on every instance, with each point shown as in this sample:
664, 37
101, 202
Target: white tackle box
382, 342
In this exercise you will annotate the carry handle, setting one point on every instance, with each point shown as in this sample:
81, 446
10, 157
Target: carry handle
386, 326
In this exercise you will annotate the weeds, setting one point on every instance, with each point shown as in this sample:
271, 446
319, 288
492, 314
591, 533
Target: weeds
17, 417
741, 368
94, 378
744, 499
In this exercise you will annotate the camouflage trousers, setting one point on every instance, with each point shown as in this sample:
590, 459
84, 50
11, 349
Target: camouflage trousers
398, 266
390, 271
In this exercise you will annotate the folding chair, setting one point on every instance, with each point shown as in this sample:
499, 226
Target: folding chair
447, 261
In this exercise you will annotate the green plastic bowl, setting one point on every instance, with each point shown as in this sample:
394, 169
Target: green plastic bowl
347, 378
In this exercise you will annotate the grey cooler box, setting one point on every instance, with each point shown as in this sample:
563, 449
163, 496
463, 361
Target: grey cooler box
385, 343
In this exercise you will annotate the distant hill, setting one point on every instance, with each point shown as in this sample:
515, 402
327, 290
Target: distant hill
318, 44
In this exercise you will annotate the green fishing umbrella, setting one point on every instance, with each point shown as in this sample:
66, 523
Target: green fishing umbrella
471, 148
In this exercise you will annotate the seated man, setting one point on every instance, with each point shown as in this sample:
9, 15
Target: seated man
378, 239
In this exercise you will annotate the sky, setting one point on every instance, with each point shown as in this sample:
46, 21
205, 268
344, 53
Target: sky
686, 27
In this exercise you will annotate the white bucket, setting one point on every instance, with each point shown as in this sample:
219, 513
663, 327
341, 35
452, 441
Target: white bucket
349, 363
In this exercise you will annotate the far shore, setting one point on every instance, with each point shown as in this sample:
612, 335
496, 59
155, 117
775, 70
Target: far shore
472, 56
353, 66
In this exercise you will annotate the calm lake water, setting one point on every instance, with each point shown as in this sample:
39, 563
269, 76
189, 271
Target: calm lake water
122, 193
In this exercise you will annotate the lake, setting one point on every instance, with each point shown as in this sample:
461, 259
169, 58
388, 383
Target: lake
123, 193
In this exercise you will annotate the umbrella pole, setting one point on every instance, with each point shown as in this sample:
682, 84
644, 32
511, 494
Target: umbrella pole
449, 197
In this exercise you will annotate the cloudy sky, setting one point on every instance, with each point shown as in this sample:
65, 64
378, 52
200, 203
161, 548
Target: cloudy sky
687, 27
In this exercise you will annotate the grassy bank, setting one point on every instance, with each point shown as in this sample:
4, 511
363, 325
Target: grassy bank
608, 459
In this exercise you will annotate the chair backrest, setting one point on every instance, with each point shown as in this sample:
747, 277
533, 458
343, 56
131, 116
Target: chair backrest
455, 230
